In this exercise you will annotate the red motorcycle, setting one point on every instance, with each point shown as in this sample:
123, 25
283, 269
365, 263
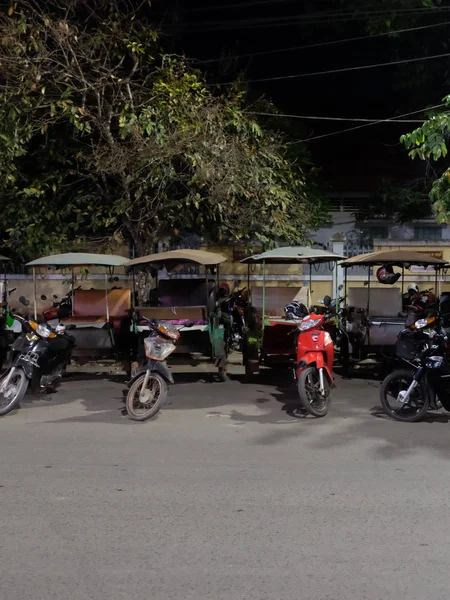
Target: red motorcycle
315, 357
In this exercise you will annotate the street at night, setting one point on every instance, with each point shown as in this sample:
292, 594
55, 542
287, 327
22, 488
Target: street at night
224, 495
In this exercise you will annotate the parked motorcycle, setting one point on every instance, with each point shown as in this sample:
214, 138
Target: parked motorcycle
148, 388
61, 307
423, 383
233, 305
315, 356
39, 357
6, 336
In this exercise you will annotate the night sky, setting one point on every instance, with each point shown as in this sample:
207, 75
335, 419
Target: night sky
204, 32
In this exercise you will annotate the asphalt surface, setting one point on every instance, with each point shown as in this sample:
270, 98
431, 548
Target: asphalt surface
225, 496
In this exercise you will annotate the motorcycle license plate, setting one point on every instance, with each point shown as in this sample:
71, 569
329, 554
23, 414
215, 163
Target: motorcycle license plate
30, 357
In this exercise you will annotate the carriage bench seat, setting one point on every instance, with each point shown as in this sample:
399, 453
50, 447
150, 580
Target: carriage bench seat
89, 306
197, 314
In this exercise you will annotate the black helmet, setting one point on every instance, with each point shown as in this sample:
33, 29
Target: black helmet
295, 310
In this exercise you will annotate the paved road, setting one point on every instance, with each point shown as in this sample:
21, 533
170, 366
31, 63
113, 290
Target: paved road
224, 496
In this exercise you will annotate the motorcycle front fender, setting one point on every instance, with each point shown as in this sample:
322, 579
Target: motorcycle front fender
27, 367
317, 359
154, 365
312, 358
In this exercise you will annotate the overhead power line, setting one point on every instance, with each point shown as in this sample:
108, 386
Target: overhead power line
330, 72
313, 118
240, 5
320, 44
395, 118
252, 23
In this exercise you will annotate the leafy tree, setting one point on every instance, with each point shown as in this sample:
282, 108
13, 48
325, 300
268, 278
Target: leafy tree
102, 134
430, 142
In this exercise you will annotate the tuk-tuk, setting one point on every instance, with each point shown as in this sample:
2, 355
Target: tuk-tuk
183, 299
99, 319
5, 333
374, 316
269, 340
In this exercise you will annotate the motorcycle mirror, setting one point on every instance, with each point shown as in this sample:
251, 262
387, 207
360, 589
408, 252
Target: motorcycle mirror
327, 301
55, 297
44, 298
24, 301
237, 283
341, 287
189, 324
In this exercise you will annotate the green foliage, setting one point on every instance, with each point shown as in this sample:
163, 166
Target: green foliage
430, 142
102, 134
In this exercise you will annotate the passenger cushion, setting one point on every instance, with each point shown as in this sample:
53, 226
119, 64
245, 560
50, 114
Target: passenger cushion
277, 298
89, 306
383, 302
185, 292
175, 313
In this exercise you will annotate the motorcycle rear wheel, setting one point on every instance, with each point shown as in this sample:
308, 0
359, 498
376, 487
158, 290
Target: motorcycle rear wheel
312, 400
15, 390
144, 408
411, 411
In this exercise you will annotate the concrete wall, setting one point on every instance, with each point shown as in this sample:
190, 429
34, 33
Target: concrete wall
49, 286
291, 276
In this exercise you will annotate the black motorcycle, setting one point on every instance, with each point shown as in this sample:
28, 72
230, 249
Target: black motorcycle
6, 335
39, 358
422, 381
233, 308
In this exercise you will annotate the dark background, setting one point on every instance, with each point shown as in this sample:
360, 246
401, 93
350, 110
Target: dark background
357, 159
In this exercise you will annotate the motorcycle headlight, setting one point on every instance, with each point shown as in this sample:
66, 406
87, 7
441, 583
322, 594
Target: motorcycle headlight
44, 332
167, 330
434, 362
157, 348
421, 323
307, 324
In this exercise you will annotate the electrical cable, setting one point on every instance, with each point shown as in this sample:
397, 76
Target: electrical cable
253, 23
330, 72
240, 5
267, 114
414, 112
320, 44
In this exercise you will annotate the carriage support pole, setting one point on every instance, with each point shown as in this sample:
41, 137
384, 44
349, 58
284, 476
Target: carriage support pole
35, 294
106, 297
264, 294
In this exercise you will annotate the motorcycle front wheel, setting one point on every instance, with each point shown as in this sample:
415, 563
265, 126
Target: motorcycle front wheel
143, 404
12, 393
311, 398
418, 402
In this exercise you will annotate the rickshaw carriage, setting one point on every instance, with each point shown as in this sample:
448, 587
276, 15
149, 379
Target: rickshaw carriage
269, 340
374, 316
183, 301
100, 320
6, 335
